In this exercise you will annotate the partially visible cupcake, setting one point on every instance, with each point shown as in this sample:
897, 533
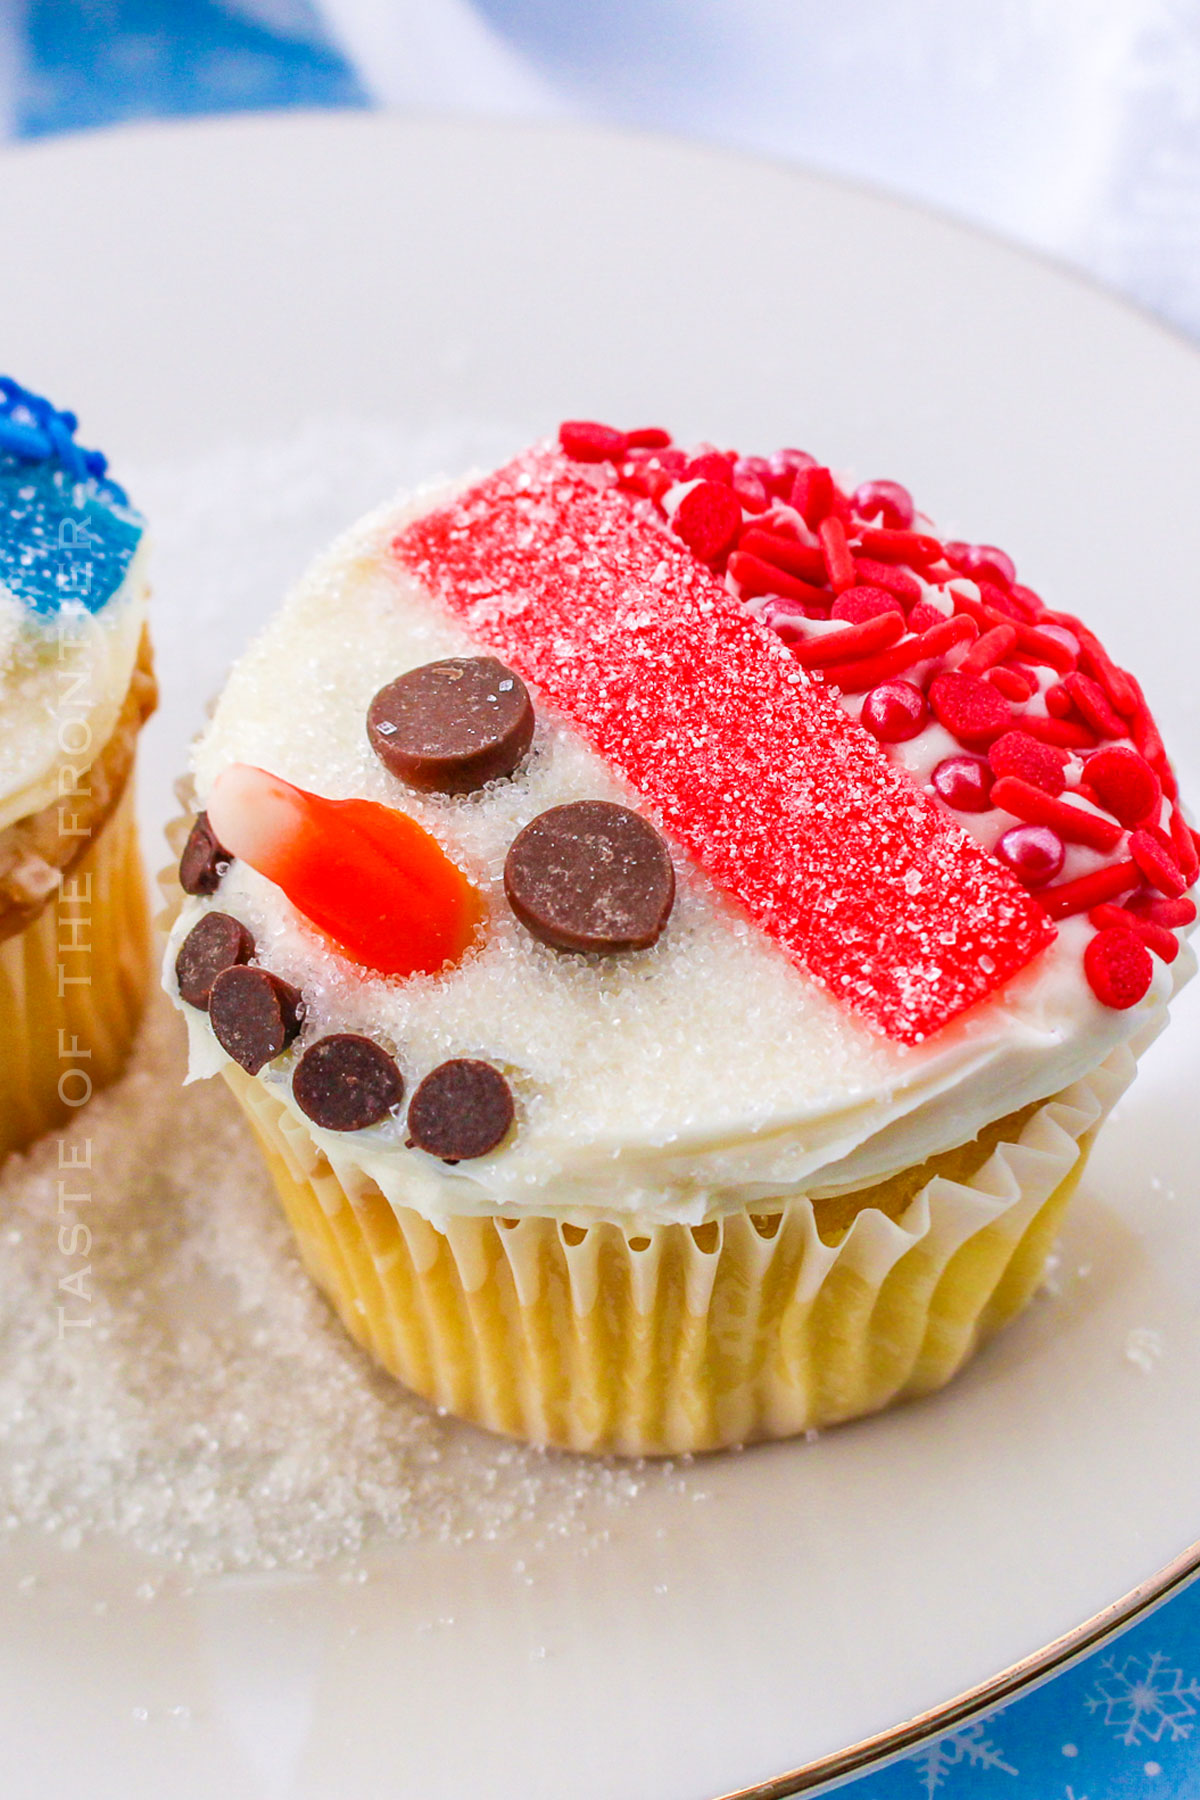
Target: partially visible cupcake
675, 925
76, 685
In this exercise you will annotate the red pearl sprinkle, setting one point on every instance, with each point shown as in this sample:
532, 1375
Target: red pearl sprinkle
648, 437
1072, 823
964, 782
710, 466
1072, 897
897, 581
708, 519
857, 604
1034, 853
971, 710
886, 501
1157, 864
1118, 968
584, 440
895, 711
1043, 766
812, 494
1093, 705
1124, 783
981, 559
805, 560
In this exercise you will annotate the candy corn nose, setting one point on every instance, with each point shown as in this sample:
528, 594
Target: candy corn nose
369, 877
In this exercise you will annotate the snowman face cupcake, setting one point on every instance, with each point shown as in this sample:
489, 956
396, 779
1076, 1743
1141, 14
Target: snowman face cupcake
693, 840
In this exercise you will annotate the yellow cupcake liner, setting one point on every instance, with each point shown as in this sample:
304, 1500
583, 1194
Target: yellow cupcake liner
73, 985
673, 1338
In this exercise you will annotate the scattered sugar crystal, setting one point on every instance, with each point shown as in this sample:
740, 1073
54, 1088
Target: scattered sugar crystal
212, 1412
1144, 1348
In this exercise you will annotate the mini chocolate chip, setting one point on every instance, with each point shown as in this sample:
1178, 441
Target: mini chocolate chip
204, 861
590, 876
449, 726
254, 1015
216, 942
461, 1109
346, 1082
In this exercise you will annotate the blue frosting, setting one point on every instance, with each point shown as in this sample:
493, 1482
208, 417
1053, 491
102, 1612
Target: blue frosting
67, 531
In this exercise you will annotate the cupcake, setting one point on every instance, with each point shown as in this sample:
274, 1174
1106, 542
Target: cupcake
675, 925
76, 685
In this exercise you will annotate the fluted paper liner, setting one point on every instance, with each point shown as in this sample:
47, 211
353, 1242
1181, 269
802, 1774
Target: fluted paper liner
670, 1338
68, 1016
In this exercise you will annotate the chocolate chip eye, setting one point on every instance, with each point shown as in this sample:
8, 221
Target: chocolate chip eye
345, 1082
254, 1015
449, 727
215, 943
462, 1109
204, 860
590, 876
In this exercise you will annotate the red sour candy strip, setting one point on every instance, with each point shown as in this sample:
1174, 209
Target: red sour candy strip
838, 559
1072, 823
369, 877
585, 441
748, 762
708, 519
1071, 897
1118, 967
850, 641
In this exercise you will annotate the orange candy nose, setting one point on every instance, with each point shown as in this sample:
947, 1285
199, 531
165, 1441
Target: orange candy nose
371, 878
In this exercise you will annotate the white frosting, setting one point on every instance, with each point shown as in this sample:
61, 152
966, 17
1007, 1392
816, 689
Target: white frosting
63, 680
675, 1083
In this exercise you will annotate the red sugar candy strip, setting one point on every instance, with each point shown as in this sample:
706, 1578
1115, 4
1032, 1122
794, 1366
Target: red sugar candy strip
1034, 806
1071, 897
838, 559
850, 641
749, 763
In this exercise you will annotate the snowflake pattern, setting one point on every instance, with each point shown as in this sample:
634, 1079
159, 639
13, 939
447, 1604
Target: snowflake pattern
970, 1748
1144, 1700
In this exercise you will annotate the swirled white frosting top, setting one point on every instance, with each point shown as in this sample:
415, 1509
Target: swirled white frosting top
713, 1069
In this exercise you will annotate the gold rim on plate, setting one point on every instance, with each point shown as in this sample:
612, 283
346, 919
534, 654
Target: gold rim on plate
873, 1752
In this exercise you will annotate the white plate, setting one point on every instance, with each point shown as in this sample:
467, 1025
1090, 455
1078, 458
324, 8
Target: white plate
207, 285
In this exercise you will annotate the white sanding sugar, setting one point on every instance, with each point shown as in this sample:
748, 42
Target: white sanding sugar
195, 1396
